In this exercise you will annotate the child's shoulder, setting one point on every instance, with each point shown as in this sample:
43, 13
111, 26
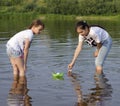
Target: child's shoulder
26, 31
96, 27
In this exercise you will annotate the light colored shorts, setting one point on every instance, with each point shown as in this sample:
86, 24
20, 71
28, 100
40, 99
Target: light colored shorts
14, 53
103, 52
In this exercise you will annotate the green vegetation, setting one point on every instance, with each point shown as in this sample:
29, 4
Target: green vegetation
63, 7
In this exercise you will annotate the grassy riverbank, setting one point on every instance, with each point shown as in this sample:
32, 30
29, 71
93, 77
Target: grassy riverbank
33, 15
74, 17
113, 18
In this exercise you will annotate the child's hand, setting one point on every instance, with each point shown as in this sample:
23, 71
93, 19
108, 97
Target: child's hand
70, 66
96, 53
69, 72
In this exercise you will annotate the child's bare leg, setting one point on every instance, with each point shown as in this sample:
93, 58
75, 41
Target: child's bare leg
99, 69
15, 69
20, 65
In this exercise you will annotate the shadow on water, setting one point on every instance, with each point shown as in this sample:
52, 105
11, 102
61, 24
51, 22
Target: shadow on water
18, 93
98, 95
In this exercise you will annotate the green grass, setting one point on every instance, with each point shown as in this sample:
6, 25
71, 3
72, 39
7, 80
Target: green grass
59, 17
73, 17
113, 18
56, 17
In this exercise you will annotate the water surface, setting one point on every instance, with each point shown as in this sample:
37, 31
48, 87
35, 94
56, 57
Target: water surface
51, 52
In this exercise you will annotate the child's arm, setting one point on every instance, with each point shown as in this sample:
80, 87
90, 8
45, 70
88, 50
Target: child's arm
99, 45
76, 53
26, 50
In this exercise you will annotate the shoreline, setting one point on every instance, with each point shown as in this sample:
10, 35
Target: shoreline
61, 17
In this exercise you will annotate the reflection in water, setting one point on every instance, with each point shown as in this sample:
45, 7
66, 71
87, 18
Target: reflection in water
77, 87
18, 94
100, 94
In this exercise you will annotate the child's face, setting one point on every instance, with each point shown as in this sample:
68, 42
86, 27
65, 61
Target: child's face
37, 29
83, 32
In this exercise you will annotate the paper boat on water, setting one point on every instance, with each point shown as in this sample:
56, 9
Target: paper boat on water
57, 76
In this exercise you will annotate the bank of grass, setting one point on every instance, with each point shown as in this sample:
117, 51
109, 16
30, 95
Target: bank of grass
112, 17
58, 16
74, 17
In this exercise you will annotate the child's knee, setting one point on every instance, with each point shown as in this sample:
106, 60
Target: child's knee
15, 68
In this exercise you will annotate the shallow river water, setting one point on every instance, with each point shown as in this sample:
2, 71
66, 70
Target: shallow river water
51, 53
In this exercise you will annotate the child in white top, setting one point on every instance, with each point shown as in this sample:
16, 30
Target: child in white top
94, 36
18, 47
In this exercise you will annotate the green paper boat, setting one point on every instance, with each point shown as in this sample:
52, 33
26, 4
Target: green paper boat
57, 76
